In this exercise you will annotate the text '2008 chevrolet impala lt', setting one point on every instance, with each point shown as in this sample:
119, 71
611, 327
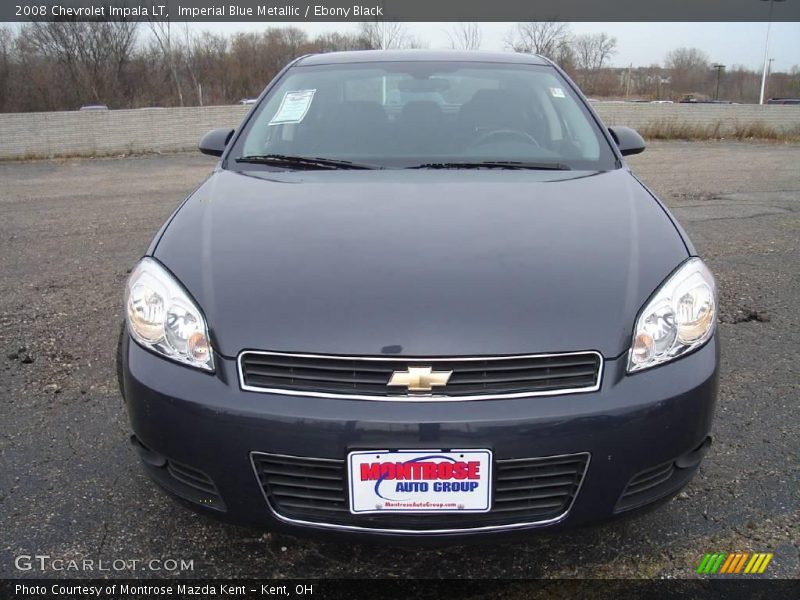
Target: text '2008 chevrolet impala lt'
420, 295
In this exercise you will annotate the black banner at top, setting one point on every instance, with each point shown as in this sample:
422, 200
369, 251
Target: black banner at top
403, 10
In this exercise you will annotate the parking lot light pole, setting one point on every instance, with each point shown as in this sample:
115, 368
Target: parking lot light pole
719, 69
766, 50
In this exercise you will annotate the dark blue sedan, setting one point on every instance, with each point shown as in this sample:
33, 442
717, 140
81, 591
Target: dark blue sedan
421, 294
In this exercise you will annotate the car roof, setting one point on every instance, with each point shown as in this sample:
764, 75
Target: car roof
362, 56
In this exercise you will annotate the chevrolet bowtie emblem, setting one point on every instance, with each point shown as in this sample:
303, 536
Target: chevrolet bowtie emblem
420, 379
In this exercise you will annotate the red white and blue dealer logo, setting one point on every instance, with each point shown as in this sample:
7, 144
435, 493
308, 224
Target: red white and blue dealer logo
421, 481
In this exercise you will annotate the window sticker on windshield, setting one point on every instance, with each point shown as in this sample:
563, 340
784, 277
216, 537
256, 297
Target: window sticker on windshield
294, 107
557, 92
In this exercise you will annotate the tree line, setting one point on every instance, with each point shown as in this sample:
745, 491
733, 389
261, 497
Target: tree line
66, 64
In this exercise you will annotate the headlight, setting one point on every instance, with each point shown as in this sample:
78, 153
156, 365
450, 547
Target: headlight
162, 317
679, 317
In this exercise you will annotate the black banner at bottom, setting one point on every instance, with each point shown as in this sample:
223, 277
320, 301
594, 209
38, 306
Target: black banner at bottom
255, 589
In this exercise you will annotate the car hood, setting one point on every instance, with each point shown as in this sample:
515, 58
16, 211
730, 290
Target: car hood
421, 263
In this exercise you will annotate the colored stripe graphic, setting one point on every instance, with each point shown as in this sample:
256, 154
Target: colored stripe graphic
720, 562
726, 567
758, 563
711, 562
753, 562
765, 563
730, 564
740, 562
703, 563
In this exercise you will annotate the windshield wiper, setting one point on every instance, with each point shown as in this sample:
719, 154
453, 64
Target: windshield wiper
495, 164
302, 162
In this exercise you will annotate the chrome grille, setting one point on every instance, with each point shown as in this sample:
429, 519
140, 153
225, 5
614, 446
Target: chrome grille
472, 378
524, 491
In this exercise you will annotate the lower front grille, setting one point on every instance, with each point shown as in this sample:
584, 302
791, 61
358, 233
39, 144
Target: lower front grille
303, 487
192, 477
660, 481
524, 491
650, 485
184, 481
194, 485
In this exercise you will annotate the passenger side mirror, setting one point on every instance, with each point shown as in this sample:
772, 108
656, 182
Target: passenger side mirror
214, 142
628, 140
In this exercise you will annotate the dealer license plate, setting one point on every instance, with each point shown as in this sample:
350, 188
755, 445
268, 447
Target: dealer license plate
420, 481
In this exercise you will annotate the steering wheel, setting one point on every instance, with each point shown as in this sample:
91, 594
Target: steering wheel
505, 133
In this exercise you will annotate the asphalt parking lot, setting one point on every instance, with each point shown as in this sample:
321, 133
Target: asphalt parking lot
71, 488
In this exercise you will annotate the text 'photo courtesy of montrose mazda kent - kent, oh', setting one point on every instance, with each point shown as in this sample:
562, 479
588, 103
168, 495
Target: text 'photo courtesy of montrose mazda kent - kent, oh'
420, 296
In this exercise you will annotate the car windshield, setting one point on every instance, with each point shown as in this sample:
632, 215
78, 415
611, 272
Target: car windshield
423, 114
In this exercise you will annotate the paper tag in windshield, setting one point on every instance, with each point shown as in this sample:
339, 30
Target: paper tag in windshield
557, 92
294, 107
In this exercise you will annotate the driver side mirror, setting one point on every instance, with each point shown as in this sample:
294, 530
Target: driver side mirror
214, 142
628, 140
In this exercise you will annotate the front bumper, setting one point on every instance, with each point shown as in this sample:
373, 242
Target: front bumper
649, 427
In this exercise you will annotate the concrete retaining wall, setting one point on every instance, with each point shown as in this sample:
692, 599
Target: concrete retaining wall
108, 132
87, 133
639, 115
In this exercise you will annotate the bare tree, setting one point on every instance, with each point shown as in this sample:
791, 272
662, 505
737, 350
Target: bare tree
384, 35
209, 61
170, 47
338, 42
255, 58
93, 53
565, 58
57, 66
689, 69
547, 38
687, 59
282, 44
6, 45
592, 50
189, 45
465, 36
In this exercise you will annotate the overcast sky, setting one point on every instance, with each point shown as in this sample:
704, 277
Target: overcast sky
638, 43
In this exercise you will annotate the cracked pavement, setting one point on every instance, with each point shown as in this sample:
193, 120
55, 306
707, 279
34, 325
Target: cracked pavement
71, 488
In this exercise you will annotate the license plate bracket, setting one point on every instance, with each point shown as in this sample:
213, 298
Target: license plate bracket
420, 481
